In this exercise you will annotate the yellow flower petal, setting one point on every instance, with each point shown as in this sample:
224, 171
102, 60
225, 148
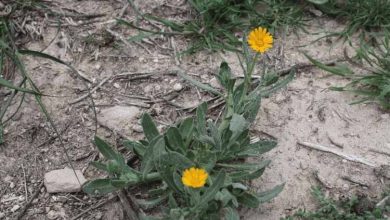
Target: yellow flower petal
194, 177
260, 40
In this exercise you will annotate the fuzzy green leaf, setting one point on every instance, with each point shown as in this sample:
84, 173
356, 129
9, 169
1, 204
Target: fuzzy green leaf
150, 129
213, 189
175, 140
135, 147
245, 166
249, 200
257, 148
318, 2
201, 113
270, 194
231, 214
225, 77
199, 84
151, 203
99, 187
105, 149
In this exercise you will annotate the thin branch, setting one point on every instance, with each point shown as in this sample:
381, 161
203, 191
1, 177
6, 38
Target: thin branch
336, 152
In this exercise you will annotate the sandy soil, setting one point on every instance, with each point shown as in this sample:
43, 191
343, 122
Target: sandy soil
305, 111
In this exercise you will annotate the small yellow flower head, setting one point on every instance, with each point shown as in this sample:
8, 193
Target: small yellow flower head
194, 177
260, 40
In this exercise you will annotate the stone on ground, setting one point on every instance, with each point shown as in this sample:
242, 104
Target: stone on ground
119, 118
64, 180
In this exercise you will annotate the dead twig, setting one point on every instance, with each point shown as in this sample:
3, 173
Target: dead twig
54, 137
112, 198
302, 65
25, 183
347, 178
322, 180
380, 152
24, 209
91, 91
336, 152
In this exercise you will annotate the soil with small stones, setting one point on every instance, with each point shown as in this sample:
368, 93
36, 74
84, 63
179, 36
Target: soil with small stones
141, 78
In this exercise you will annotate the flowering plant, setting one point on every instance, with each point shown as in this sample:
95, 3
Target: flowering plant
198, 164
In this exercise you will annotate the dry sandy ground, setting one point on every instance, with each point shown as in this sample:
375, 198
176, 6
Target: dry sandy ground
305, 111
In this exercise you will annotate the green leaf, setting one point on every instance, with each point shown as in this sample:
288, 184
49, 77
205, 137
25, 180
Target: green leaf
120, 184
250, 174
270, 194
231, 214
213, 189
225, 197
99, 165
107, 151
276, 86
155, 149
249, 200
215, 135
174, 159
318, 2
135, 147
257, 148
144, 217
186, 127
151, 203
150, 129
245, 166
341, 70
175, 140
8, 84
113, 167
199, 84
201, 113
172, 201
238, 124
99, 187
225, 77
252, 108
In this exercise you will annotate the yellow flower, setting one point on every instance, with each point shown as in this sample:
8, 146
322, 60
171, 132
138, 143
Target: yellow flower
194, 177
260, 40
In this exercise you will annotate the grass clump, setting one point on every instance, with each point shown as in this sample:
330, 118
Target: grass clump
354, 208
218, 24
371, 78
359, 15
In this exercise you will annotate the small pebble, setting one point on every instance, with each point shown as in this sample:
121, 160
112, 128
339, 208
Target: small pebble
12, 185
177, 87
15, 208
116, 85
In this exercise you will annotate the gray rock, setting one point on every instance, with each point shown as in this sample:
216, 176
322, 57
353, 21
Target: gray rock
63, 180
119, 118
